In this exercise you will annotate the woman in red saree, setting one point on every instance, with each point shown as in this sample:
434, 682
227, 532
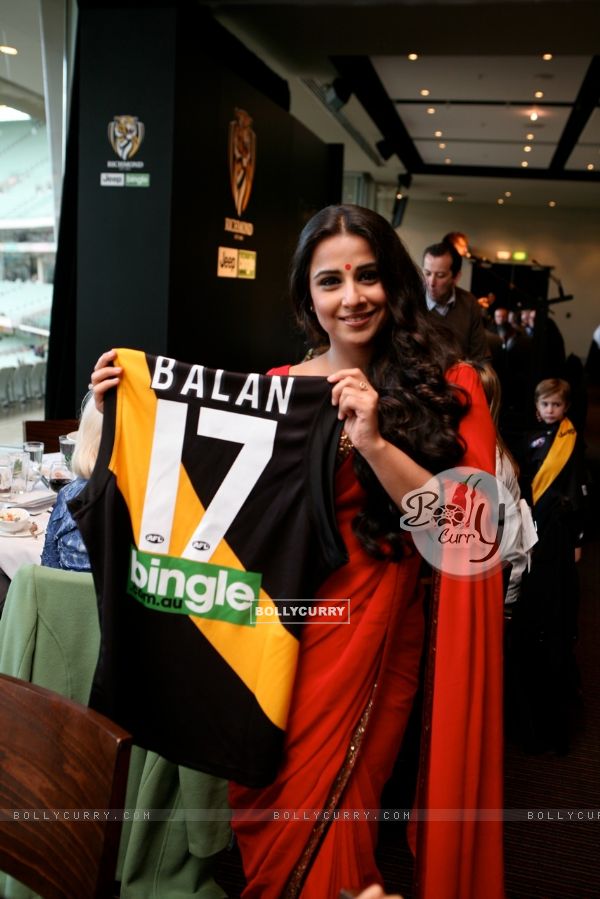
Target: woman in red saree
407, 411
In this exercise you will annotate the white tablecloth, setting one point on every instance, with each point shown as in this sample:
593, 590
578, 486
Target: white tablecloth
17, 551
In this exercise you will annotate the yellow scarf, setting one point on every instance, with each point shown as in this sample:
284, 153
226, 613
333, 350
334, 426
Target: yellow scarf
556, 459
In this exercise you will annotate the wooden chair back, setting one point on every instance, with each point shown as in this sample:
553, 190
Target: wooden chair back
62, 766
49, 430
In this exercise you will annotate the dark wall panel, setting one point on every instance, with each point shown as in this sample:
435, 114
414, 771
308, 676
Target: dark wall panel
123, 266
146, 255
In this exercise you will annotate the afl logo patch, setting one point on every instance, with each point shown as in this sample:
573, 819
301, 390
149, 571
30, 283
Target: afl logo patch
201, 544
155, 538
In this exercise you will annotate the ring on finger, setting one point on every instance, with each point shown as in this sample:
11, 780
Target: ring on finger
363, 385
90, 386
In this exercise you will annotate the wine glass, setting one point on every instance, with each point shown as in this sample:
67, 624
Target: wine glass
59, 476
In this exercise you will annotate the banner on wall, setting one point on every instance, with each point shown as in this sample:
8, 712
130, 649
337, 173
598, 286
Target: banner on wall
241, 155
125, 135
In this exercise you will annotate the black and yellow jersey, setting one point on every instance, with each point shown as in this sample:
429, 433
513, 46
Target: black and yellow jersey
211, 502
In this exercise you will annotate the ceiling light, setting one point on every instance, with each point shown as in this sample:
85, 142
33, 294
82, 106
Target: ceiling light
552, 203
437, 133
524, 164
539, 94
447, 160
450, 199
547, 57
527, 148
413, 56
399, 196
533, 117
442, 146
590, 166
529, 136
500, 201
424, 92
10, 51
8, 114
507, 193
430, 110
503, 254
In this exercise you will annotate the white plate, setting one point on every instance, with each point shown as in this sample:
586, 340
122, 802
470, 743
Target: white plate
27, 533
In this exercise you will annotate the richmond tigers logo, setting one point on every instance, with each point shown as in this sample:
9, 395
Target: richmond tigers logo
126, 134
242, 158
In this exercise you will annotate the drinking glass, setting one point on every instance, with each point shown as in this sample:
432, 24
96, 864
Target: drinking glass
5, 479
19, 463
67, 445
35, 451
59, 476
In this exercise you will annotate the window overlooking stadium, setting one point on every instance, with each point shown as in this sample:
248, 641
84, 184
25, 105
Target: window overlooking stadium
31, 106
27, 245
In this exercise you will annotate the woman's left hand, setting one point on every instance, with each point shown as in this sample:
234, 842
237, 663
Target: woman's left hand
357, 403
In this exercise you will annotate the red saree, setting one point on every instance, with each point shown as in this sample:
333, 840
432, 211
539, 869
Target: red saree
338, 667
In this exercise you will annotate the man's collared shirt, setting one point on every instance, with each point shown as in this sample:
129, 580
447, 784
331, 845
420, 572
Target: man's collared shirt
439, 308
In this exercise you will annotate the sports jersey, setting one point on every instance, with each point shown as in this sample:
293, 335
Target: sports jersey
211, 501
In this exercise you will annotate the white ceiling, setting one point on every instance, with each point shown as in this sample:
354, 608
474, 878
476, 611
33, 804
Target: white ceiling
20, 28
482, 102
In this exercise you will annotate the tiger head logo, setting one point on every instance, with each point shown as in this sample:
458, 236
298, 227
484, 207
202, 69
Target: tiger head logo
126, 134
242, 158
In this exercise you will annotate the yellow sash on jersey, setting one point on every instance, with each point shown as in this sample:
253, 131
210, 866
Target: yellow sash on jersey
556, 459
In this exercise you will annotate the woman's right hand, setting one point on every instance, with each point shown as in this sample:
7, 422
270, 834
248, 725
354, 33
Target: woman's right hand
104, 377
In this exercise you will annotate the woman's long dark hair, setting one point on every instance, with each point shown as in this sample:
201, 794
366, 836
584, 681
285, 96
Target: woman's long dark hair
418, 410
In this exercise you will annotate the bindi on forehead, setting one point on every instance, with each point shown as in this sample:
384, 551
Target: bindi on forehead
348, 267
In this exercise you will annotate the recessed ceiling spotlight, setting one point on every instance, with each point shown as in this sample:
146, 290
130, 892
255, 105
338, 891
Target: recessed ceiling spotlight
442, 146
413, 56
529, 136
424, 92
538, 95
507, 193
430, 110
500, 201
547, 57
447, 160
10, 51
450, 199
524, 164
437, 133
526, 149
533, 117
590, 166
552, 203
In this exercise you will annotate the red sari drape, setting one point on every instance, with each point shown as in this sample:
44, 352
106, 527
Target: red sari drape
338, 667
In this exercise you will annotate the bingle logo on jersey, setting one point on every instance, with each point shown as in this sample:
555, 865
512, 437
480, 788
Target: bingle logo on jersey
169, 584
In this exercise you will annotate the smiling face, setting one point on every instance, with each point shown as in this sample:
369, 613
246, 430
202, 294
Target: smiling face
348, 297
551, 408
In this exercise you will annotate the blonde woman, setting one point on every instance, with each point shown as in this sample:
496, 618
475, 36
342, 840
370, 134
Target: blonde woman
64, 546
